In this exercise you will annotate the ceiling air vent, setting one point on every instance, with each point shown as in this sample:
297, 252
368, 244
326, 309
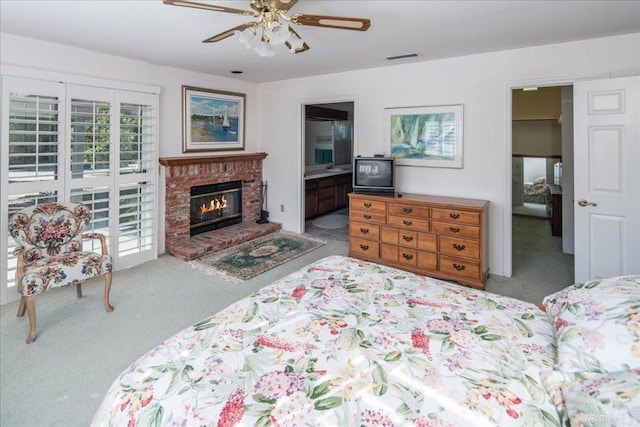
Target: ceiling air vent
406, 56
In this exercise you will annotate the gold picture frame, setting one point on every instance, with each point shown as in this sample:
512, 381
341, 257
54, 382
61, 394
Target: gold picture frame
212, 120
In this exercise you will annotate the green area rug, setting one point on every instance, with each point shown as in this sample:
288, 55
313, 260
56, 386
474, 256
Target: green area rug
249, 259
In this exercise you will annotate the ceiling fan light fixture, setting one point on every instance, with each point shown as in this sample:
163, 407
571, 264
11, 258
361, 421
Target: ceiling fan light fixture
278, 33
271, 26
264, 49
245, 37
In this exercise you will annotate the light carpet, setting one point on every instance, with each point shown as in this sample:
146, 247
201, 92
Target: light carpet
250, 259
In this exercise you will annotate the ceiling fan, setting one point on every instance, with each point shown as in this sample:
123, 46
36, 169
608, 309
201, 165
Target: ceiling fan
271, 25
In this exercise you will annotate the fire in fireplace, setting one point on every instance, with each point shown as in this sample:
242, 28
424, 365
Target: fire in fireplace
215, 206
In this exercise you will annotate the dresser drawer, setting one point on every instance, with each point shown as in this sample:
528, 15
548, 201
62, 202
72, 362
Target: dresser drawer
456, 230
364, 248
400, 255
455, 216
394, 236
408, 223
460, 267
369, 205
362, 230
428, 242
460, 247
407, 256
413, 211
408, 239
367, 217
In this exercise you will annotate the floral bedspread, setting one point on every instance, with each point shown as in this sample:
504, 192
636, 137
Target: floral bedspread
344, 342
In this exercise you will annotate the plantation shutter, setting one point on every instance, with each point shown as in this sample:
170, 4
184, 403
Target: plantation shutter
137, 200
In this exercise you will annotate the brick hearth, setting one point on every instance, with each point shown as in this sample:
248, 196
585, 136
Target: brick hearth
217, 240
184, 172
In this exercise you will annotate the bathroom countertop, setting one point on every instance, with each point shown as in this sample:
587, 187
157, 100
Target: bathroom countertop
322, 173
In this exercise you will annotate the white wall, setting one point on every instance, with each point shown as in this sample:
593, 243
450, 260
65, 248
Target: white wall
534, 168
35, 54
482, 83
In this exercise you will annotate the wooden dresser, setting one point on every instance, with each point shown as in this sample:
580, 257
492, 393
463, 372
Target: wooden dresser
443, 237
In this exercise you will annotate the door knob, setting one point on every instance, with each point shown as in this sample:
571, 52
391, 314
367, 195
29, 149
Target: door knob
583, 203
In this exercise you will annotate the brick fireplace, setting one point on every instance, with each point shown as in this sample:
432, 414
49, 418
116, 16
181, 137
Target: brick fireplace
182, 173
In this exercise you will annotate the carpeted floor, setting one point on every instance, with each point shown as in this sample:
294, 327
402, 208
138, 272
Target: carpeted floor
531, 209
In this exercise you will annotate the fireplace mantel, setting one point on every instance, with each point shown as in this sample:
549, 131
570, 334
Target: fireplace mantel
192, 160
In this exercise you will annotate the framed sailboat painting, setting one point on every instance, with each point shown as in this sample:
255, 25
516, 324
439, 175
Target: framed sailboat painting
212, 120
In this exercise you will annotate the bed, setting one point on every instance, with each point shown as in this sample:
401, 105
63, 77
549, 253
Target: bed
344, 342
536, 191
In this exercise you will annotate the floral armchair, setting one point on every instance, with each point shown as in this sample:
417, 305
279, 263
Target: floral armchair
50, 254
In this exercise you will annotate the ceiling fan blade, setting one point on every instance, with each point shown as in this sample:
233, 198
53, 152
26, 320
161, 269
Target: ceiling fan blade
339, 22
282, 5
230, 32
304, 47
197, 5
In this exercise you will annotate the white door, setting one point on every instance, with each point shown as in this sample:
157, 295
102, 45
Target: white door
607, 181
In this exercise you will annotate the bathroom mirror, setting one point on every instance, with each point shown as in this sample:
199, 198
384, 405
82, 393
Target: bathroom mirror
329, 134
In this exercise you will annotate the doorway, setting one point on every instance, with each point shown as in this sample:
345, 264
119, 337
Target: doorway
327, 151
542, 184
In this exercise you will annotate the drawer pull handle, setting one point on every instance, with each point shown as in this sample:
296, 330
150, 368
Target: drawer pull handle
407, 210
364, 247
454, 215
459, 267
454, 229
367, 216
367, 204
407, 256
407, 222
458, 247
407, 238
364, 230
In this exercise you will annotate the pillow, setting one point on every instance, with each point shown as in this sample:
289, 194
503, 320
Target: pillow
603, 399
541, 180
597, 325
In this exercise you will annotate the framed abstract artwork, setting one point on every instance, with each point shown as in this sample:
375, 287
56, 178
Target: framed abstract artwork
212, 120
429, 136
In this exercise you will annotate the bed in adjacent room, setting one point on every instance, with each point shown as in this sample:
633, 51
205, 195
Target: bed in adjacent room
536, 191
344, 342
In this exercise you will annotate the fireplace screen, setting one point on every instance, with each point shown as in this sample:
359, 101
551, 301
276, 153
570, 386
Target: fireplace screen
215, 206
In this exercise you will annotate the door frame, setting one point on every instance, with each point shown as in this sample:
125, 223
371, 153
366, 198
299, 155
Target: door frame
303, 104
507, 242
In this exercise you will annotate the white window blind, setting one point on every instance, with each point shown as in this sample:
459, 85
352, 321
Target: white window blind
33, 138
90, 138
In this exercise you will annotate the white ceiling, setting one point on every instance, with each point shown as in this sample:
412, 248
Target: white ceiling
153, 32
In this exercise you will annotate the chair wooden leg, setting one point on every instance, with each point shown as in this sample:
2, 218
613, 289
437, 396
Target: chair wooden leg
22, 307
79, 289
107, 290
31, 312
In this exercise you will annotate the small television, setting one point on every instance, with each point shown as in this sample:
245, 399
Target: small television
374, 175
